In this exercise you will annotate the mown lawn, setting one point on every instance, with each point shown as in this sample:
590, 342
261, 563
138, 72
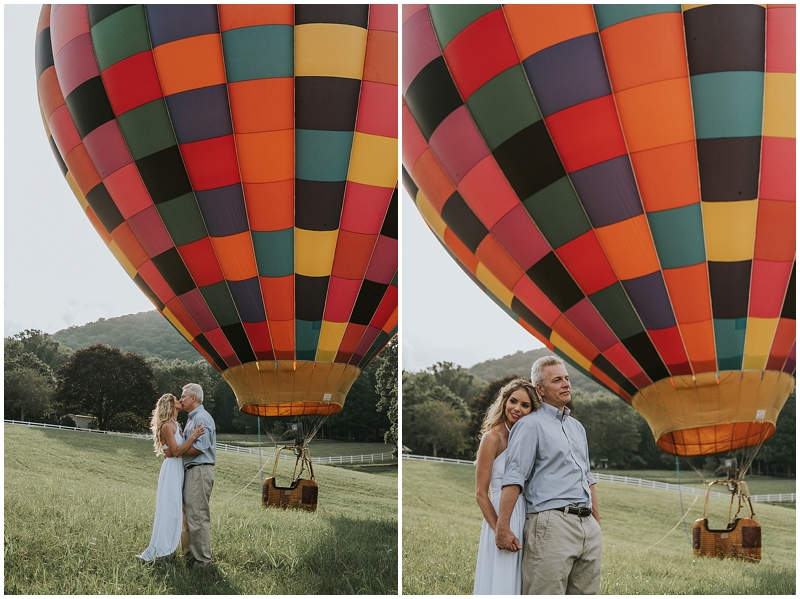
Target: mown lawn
644, 552
79, 506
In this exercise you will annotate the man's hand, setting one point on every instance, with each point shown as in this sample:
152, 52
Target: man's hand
505, 539
168, 453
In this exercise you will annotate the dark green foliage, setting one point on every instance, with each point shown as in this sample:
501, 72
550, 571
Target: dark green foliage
521, 362
102, 382
360, 420
386, 386
146, 333
479, 406
612, 429
435, 428
28, 382
444, 381
44, 347
778, 455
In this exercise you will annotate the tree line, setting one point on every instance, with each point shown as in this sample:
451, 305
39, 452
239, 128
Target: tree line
45, 381
444, 405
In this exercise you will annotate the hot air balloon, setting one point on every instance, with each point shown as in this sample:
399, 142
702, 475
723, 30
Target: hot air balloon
621, 180
240, 162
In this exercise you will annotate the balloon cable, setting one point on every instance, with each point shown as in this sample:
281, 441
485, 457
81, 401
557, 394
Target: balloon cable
260, 465
683, 519
680, 496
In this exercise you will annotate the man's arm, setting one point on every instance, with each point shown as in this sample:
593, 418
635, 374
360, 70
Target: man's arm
595, 510
503, 537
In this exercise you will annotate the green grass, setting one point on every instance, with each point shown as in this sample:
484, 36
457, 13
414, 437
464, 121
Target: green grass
442, 522
79, 506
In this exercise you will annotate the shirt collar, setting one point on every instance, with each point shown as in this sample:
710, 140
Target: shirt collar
195, 411
554, 412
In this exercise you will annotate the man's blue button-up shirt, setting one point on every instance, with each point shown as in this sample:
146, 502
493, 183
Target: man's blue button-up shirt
207, 442
548, 457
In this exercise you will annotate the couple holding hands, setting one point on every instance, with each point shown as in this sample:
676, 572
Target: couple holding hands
541, 529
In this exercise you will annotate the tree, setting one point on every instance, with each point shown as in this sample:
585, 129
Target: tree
171, 376
44, 347
28, 383
480, 405
435, 426
612, 428
779, 452
27, 393
360, 419
117, 389
386, 386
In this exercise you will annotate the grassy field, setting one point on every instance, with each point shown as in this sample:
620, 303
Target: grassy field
441, 528
79, 506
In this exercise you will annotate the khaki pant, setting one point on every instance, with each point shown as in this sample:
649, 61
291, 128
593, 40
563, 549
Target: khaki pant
196, 533
561, 554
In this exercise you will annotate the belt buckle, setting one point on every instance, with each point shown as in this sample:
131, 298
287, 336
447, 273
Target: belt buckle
584, 512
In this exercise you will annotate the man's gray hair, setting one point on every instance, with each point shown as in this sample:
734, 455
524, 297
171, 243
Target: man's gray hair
194, 389
537, 370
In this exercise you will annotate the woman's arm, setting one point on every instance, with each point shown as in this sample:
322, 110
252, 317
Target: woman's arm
168, 435
487, 452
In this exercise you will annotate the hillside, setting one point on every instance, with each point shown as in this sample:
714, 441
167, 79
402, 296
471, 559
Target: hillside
520, 363
146, 333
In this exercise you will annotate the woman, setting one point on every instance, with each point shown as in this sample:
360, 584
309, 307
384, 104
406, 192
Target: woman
169, 496
499, 572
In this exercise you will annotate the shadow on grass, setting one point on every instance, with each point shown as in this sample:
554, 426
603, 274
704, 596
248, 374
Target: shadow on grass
177, 578
358, 557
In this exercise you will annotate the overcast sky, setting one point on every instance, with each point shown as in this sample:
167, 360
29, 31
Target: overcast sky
59, 273
446, 317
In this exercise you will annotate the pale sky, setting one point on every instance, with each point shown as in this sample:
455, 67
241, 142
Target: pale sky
59, 273
445, 316
57, 270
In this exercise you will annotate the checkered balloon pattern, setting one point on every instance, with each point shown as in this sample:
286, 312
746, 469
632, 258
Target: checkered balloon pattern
620, 180
240, 162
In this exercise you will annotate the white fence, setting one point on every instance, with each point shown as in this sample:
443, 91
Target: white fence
347, 459
638, 482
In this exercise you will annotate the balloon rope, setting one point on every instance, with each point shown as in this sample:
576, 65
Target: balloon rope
683, 519
680, 495
247, 485
261, 466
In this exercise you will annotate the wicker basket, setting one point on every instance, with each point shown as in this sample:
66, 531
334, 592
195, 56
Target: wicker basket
300, 494
742, 536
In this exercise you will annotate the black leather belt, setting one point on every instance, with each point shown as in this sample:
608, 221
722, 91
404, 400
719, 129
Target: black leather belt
583, 512
190, 466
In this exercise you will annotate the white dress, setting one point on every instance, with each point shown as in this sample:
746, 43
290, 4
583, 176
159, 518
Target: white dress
169, 508
499, 572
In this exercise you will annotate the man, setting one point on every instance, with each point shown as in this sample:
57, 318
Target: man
198, 479
548, 460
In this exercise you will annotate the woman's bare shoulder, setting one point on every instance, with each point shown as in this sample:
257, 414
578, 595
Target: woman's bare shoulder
492, 442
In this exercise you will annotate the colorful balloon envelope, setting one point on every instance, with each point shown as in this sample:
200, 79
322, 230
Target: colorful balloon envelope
240, 161
620, 179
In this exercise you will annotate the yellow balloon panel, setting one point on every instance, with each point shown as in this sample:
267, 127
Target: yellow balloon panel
707, 414
291, 388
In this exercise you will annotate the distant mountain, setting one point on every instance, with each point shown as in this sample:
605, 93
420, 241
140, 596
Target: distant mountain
146, 333
520, 364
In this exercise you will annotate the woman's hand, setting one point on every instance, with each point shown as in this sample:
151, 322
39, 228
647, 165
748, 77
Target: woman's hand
197, 432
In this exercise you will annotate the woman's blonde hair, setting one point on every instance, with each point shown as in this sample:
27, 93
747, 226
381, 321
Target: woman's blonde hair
496, 413
161, 414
